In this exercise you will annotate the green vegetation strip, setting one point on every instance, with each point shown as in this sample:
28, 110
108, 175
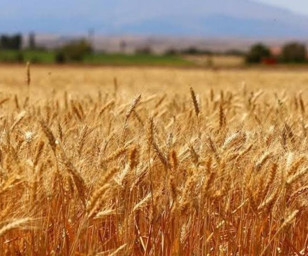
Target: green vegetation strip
49, 57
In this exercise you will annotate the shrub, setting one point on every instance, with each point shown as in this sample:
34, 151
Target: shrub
60, 57
144, 50
196, 51
74, 51
171, 51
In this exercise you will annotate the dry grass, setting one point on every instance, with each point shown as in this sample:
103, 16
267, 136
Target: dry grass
217, 60
211, 170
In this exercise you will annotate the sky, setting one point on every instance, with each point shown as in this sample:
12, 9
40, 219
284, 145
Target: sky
11, 8
298, 6
133, 16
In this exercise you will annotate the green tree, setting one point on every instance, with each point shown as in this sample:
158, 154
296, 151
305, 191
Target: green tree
13, 42
294, 52
257, 53
74, 51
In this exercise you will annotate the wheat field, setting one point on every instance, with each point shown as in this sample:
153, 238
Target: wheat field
153, 161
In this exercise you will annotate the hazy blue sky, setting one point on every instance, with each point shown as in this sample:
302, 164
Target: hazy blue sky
9, 8
241, 17
300, 6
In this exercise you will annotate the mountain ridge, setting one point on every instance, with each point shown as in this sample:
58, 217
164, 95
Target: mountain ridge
231, 18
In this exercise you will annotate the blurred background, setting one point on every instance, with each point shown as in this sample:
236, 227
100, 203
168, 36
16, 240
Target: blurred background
198, 33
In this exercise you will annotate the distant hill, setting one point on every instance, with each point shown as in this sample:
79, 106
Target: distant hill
227, 18
242, 18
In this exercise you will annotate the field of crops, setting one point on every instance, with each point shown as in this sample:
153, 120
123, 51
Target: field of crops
160, 161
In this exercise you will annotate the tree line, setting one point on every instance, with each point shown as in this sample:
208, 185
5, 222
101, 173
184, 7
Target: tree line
13, 42
293, 52
77, 50
72, 51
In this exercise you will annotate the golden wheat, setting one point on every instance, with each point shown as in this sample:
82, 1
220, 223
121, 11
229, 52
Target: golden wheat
92, 170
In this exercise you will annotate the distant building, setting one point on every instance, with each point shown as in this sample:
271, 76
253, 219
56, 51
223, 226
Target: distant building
269, 61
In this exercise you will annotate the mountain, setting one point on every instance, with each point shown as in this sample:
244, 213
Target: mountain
218, 18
